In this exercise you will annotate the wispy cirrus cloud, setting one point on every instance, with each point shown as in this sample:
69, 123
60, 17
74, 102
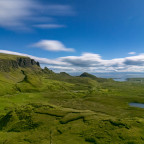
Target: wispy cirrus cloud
132, 53
90, 62
24, 14
13, 12
52, 45
49, 26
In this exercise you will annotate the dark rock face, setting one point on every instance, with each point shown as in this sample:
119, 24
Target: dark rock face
26, 62
23, 62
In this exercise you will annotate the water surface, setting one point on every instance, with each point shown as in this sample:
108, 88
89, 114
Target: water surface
139, 105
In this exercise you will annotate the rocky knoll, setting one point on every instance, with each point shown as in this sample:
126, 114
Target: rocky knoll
8, 62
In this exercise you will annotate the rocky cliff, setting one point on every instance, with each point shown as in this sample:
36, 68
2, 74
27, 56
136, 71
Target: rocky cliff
8, 62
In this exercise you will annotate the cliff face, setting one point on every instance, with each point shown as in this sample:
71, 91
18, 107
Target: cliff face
8, 62
26, 62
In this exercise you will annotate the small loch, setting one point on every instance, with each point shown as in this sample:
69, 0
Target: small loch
139, 105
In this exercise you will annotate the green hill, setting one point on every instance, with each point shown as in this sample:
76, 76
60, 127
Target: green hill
87, 75
38, 106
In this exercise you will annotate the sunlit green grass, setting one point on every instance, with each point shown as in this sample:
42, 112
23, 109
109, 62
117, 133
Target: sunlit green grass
41, 107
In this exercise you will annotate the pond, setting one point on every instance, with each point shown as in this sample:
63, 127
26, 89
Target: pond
139, 105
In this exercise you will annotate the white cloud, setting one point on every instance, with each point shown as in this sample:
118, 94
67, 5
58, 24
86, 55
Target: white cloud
41, 60
90, 62
49, 26
52, 45
12, 12
135, 60
132, 53
23, 14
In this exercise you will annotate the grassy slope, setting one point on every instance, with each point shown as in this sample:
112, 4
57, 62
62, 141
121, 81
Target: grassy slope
9, 57
43, 107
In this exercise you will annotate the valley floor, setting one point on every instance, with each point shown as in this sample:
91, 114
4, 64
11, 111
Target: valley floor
49, 108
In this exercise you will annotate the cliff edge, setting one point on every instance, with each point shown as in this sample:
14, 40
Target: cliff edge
8, 62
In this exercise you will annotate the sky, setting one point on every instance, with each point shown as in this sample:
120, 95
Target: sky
75, 35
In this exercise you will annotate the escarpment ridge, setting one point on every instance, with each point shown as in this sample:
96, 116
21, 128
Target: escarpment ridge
8, 62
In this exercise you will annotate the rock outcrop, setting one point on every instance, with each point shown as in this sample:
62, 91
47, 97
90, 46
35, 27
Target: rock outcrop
8, 62
47, 71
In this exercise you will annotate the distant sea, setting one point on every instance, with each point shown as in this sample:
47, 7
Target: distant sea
118, 76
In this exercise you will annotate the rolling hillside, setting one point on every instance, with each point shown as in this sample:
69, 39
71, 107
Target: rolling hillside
39, 106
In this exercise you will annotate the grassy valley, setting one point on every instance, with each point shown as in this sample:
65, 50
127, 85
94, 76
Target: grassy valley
39, 106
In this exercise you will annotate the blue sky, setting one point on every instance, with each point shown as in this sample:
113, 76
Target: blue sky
75, 35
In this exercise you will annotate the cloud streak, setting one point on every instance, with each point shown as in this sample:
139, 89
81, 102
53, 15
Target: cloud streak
90, 62
132, 53
24, 14
49, 26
